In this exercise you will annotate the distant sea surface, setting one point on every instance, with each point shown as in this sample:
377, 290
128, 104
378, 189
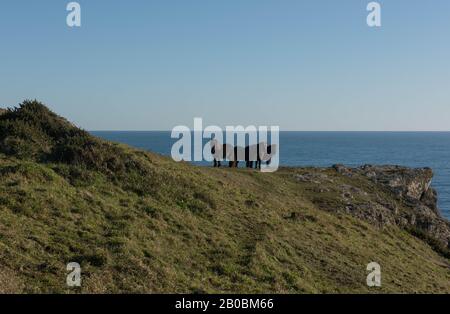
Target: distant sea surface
323, 149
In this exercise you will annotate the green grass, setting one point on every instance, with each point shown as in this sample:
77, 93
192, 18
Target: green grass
142, 223
202, 230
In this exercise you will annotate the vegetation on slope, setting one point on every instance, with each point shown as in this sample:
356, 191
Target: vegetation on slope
139, 222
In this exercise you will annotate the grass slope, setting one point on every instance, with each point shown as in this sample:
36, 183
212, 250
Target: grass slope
139, 222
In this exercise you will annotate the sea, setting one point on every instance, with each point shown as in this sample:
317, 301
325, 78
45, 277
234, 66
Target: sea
323, 149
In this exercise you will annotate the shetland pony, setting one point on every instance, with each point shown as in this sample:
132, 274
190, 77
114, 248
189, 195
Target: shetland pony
221, 152
261, 152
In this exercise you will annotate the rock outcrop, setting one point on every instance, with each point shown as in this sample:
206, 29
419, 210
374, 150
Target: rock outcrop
412, 189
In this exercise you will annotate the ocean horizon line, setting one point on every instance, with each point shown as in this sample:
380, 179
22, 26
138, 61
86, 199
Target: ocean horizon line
287, 131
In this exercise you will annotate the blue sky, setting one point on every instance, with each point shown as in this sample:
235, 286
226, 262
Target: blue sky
302, 65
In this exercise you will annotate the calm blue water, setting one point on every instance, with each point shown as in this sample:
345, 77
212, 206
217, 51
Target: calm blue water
413, 149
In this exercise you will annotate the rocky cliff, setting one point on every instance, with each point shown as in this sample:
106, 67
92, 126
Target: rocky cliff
410, 187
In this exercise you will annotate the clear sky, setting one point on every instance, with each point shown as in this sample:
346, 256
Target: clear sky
302, 65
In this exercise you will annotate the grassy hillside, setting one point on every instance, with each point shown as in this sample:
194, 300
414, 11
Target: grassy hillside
139, 222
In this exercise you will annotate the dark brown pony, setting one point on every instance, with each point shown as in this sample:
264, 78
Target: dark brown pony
254, 155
